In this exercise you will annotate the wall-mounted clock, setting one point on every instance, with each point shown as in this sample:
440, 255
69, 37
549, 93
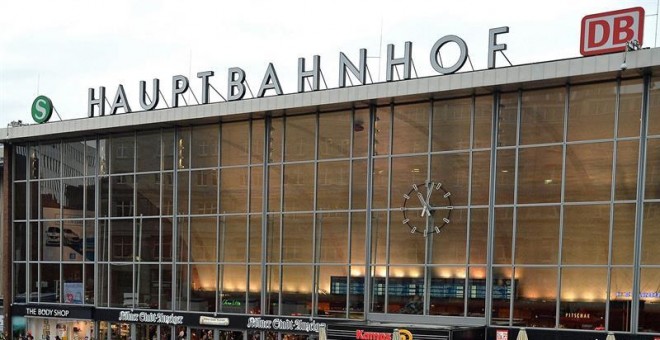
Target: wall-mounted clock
427, 208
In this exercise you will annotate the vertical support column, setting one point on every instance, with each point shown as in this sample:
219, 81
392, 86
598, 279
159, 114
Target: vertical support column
488, 306
369, 235
6, 238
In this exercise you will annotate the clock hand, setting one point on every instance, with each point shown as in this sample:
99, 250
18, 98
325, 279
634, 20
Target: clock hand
426, 206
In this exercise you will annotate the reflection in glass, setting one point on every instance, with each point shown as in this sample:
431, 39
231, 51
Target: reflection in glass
72, 274
542, 117
623, 234
451, 124
51, 197
20, 162
382, 131
296, 290
449, 246
649, 313
358, 193
148, 194
621, 284
123, 150
332, 290
204, 192
502, 288
73, 154
361, 132
378, 274
297, 238
651, 234
204, 146
49, 289
507, 123
121, 290
334, 134
379, 237
203, 287
183, 282
300, 138
168, 149
235, 143
588, 172
483, 122
331, 238
593, 106
503, 236
183, 186
257, 146
274, 188
411, 128
299, 187
148, 238
121, 240
537, 235
50, 161
233, 238
380, 182
148, 151
505, 176
254, 234
19, 201
478, 236
586, 234
273, 239
19, 242
256, 189
630, 108
583, 294
476, 305
122, 203
332, 185
447, 291
480, 179
535, 301
273, 290
358, 238
452, 171
233, 286
539, 179
626, 171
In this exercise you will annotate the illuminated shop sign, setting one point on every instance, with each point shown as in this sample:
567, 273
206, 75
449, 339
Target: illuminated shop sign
51, 311
283, 324
151, 317
361, 334
47, 312
236, 83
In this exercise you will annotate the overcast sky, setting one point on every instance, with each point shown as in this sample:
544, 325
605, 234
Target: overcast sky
62, 48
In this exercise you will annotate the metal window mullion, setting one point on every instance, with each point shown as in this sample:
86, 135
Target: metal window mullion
428, 256
514, 218
491, 207
366, 294
264, 215
612, 198
136, 273
639, 214
561, 206
316, 250
281, 217
220, 252
473, 110
161, 176
350, 214
390, 137
175, 217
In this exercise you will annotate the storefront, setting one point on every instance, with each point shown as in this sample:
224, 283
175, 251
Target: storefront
452, 206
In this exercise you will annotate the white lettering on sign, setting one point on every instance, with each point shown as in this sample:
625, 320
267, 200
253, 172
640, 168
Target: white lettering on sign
285, 324
47, 312
151, 317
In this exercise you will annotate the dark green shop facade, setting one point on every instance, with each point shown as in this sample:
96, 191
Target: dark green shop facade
527, 198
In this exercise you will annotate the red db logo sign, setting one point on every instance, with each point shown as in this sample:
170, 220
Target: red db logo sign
610, 31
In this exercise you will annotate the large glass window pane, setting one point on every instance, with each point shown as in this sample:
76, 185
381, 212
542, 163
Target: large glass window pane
123, 149
183, 149
235, 143
233, 190
204, 192
507, 123
20, 162
205, 146
480, 178
148, 194
50, 160
621, 284
51, 199
654, 107
411, 128
89, 241
478, 236
542, 117
537, 235
382, 131
630, 108
121, 196
146, 285
104, 196
34, 162
274, 188
203, 287
359, 185
273, 239
588, 172
505, 176
257, 140
333, 185
380, 181
535, 301
72, 289
476, 305
33, 283
593, 106
183, 190
332, 283
168, 149
379, 236
447, 291
299, 187
275, 140
182, 292
121, 286
256, 189
358, 238
273, 289
652, 183
623, 238
583, 295
297, 238
52, 234
90, 197
148, 239
168, 206
165, 292
148, 151
296, 290
405, 247
233, 239
91, 159
104, 288
586, 234
49, 287
300, 140
451, 124
182, 239
72, 240
626, 171
378, 274
20, 238
233, 286
406, 172
254, 246
332, 238
89, 295
539, 180
121, 240
651, 234
203, 235
503, 236
73, 156
649, 304
254, 290
103, 240
361, 132
20, 199
449, 246
334, 134
452, 171
483, 121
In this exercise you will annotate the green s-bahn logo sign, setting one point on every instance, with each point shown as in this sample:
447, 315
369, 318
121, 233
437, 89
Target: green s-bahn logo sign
42, 109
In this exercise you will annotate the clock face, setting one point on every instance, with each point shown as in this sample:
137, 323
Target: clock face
427, 208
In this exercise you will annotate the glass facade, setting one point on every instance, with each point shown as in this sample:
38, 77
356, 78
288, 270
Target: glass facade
534, 208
